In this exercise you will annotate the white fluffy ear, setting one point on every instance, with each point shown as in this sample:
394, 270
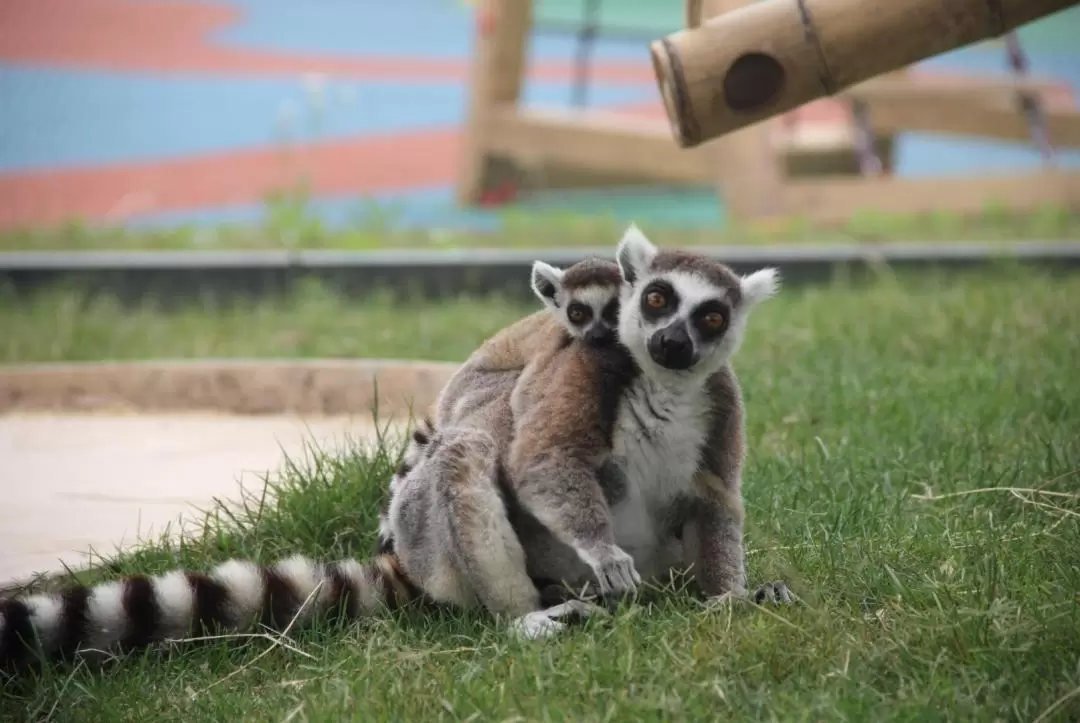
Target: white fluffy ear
759, 286
546, 282
634, 254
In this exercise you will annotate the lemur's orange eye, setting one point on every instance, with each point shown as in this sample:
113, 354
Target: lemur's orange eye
713, 320
578, 313
656, 300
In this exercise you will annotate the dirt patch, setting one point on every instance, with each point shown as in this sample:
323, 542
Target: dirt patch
317, 387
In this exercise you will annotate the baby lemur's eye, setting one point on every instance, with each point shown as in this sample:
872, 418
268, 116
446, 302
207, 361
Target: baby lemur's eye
656, 299
578, 313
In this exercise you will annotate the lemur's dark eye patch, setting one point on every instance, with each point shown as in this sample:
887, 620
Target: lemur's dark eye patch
610, 313
658, 299
711, 318
578, 313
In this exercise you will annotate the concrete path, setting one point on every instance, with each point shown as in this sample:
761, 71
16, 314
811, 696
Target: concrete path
69, 483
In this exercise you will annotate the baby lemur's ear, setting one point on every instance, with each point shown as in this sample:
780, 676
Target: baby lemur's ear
546, 283
634, 254
759, 286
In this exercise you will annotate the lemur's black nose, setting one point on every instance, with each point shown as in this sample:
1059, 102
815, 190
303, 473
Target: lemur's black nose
599, 335
672, 347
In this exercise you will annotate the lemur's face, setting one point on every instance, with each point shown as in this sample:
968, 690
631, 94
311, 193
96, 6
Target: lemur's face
681, 320
683, 312
584, 297
591, 314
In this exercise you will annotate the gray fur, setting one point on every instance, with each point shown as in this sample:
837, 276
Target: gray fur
655, 489
679, 434
447, 520
676, 437
451, 531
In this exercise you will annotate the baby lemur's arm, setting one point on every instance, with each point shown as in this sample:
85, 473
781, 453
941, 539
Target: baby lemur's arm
564, 417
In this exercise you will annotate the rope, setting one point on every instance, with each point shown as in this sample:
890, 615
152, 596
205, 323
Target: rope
1030, 104
869, 162
587, 34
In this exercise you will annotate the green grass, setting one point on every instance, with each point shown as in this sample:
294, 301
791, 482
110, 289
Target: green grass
290, 225
965, 607
71, 326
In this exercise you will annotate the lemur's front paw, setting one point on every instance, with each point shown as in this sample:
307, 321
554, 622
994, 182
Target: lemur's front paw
614, 570
550, 621
774, 593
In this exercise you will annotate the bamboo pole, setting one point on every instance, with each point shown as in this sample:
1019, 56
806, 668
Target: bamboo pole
771, 56
747, 170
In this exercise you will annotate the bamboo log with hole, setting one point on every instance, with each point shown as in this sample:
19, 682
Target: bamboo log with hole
771, 56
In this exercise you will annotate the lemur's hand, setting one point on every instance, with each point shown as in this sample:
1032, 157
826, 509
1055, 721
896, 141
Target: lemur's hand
614, 569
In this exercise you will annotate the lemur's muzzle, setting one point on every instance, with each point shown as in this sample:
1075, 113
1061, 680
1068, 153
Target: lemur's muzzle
600, 335
672, 347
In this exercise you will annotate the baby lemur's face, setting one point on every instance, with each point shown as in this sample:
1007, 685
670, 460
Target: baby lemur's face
683, 312
584, 297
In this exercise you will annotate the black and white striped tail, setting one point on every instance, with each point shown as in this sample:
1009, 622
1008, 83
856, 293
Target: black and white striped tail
235, 597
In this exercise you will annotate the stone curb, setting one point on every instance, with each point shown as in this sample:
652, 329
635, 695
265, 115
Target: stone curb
169, 276
247, 387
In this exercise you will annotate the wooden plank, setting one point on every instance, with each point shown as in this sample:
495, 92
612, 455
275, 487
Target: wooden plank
965, 117
816, 149
838, 200
498, 67
598, 141
640, 149
920, 87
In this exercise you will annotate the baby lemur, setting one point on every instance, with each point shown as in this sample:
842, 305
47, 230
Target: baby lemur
456, 541
583, 300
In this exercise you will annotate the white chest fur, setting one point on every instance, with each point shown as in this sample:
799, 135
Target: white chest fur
659, 435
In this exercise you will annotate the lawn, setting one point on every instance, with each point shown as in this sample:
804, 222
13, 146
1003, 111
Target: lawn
913, 473
290, 224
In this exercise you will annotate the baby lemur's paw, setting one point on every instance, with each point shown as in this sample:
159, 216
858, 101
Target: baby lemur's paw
614, 570
774, 593
550, 621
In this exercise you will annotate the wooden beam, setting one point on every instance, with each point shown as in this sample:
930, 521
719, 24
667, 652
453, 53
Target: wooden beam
598, 141
838, 200
637, 148
919, 87
500, 45
965, 117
